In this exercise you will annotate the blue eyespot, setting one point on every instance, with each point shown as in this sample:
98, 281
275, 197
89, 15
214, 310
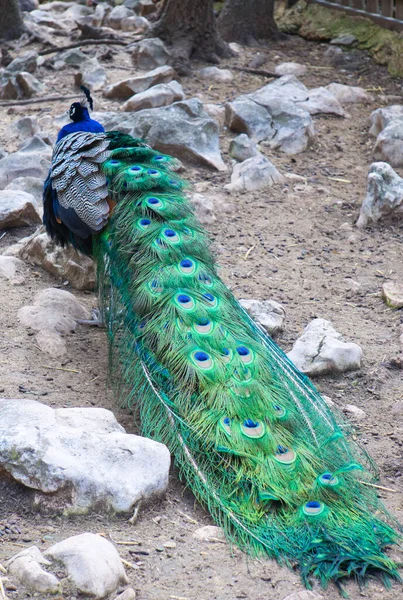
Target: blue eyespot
226, 351
145, 222
243, 351
250, 423
227, 421
169, 233
153, 201
313, 504
152, 172
282, 450
186, 263
136, 169
209, 297
183, 298
114, 162
159, 157
203, 322
201, 356
327, 476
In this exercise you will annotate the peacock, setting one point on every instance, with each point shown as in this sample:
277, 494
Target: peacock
250, 434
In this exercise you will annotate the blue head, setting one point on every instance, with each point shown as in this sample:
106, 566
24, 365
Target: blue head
80, 116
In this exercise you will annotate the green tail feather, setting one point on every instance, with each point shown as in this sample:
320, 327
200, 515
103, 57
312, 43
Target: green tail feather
250, 434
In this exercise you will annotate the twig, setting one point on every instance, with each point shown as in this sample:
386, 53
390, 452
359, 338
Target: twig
3, 569
261, 72
2, 592
248, 252
60, 369
339, 179
378, 487
37, 100
2, 235
83, 43
129, 564
188, 518
123, 543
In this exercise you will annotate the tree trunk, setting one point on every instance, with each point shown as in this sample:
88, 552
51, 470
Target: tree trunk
247, 21
190, 26
11, 25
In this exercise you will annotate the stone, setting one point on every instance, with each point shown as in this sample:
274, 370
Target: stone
24, 163
128, 594
291, 68
204, 208
162, 94
77, 10
216, 112
389, 144
382, 117
242, 148
209, 533
26, 127
73, 57
93, 564
304, 595
268, 313
216, 74
321, 350
100, 14
146, 7
243, 115
17, 209
150, 53
27, 63
46, 18
322, 101
256, 173
287, 88
118, 15
384, 194
66, 263
345, 39
349, 94
30, 185
29, 85
137, 24
12, 269
354, 411
126, 88
392, 293
92, 74
79, 459
294, 127
28, 5
26, 566
183, 130
36, 145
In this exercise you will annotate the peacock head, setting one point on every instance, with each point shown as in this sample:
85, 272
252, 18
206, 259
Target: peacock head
79, 110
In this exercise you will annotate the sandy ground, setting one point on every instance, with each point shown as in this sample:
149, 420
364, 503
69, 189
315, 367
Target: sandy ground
306, 253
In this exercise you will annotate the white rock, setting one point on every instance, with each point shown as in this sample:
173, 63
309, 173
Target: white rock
30, 185
255, 173
91, 74
209, 533
118, 15
128, 594
392, 293
381, 118
128, 87
389, 144
26, 566
17, 209
162, 94
322, 101
321, 350
137, 24
216, 112
268, 313
237, 48
216, 74
354, 411
24, 163
79, 459
204, 208
242, 147
304, 595
291, 68
93, 564
150, 53
12, 268
384, 194
348, 94
25, 127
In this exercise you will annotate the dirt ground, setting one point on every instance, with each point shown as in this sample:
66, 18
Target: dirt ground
306, 254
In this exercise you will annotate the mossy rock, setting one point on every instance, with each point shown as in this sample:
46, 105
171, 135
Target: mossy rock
315, 22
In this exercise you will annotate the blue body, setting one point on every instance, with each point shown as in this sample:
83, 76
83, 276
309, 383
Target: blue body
86, 124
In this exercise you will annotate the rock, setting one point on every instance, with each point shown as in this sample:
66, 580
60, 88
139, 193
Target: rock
77, 10
137, 24
46, 18
26, 566
72, 57
91, 74
21, 85
162, 94
66, 263
183, 130
12, 268
128, 87
150, 53
93, 564
321, 350
128, 594
209, 533
216, 112
392, 292
243, 115
118, 15
28, 5
291, 68
216, 74
26, 127
237, 48
242, 147
304, 595
27, 162
146, 7
268, 313
254, 173
204, 209
382, 117
384, 194
322, 101
354, 411
36, 145
17, 209
345, 39
30, 185
347, 94
79, 459
389, 144
102, 10
27, 63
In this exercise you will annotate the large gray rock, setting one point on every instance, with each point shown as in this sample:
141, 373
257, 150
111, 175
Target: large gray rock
204, 208
118, 15
93, 564
27, 62
256, 173
27, 162
392, 293
291, 68
17, 209
322, 101
321, 350
79, 459
30, 185
136, 24
91, 74
26, 566
384, 194
25, 127
12, 269
162, 94
46, 18
20, 85
150, 53
387, 125
73, 57
242, 147
268, 313
382, 117
28, 5
126, 88
216, 74
243, 115
182, 129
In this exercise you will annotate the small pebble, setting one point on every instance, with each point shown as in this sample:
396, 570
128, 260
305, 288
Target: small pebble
170, 545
